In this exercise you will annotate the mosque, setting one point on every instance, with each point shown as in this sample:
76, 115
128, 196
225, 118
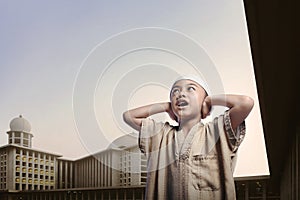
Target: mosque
118, 172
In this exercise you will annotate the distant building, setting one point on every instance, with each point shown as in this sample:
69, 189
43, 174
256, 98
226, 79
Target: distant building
121, 164
25, 169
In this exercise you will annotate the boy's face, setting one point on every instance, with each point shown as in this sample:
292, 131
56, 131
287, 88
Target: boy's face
186, 98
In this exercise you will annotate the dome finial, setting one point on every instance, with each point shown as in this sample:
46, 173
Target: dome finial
20, 116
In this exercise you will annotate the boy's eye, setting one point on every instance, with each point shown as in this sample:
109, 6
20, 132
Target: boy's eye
175, 91
191, 89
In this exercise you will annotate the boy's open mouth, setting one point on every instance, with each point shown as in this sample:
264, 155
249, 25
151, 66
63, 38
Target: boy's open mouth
181, 103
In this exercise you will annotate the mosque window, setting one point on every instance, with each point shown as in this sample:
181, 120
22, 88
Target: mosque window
25, 143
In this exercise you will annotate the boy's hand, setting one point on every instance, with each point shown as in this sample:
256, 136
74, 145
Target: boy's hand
171, 113
206, 107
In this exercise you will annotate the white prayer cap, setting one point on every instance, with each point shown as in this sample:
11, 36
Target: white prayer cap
196, 79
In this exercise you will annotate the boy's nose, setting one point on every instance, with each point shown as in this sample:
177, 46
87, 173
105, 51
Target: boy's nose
181, 94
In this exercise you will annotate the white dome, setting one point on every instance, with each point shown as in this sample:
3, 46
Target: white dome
124, 142
20, 124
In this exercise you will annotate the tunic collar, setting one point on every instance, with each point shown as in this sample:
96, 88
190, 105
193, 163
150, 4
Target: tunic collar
183, 151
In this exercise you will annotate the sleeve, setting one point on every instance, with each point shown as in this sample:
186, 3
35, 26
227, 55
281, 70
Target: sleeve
150, 135
235, 137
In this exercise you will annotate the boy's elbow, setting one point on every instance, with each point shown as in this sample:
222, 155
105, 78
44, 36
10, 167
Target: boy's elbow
248, 103
131, 121
126, 117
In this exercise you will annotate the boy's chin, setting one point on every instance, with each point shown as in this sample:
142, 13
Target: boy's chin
187, 117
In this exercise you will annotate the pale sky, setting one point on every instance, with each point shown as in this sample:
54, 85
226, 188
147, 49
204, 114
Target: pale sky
47, 46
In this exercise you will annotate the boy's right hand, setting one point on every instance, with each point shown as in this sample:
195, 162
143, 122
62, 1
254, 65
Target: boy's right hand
171, 113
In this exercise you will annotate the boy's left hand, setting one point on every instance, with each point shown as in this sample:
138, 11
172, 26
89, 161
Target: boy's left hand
206, 107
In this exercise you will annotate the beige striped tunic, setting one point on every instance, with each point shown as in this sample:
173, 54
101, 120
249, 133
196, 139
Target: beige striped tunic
199, 166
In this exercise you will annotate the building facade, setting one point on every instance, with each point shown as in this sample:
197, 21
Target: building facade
21, 166
26, 170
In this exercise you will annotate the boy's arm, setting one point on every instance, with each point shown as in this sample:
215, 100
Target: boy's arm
135, 116
239, 106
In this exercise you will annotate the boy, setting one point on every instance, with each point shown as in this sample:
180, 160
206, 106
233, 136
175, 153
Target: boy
192, 160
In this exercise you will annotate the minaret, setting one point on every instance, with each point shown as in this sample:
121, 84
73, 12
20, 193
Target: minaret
19, 133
